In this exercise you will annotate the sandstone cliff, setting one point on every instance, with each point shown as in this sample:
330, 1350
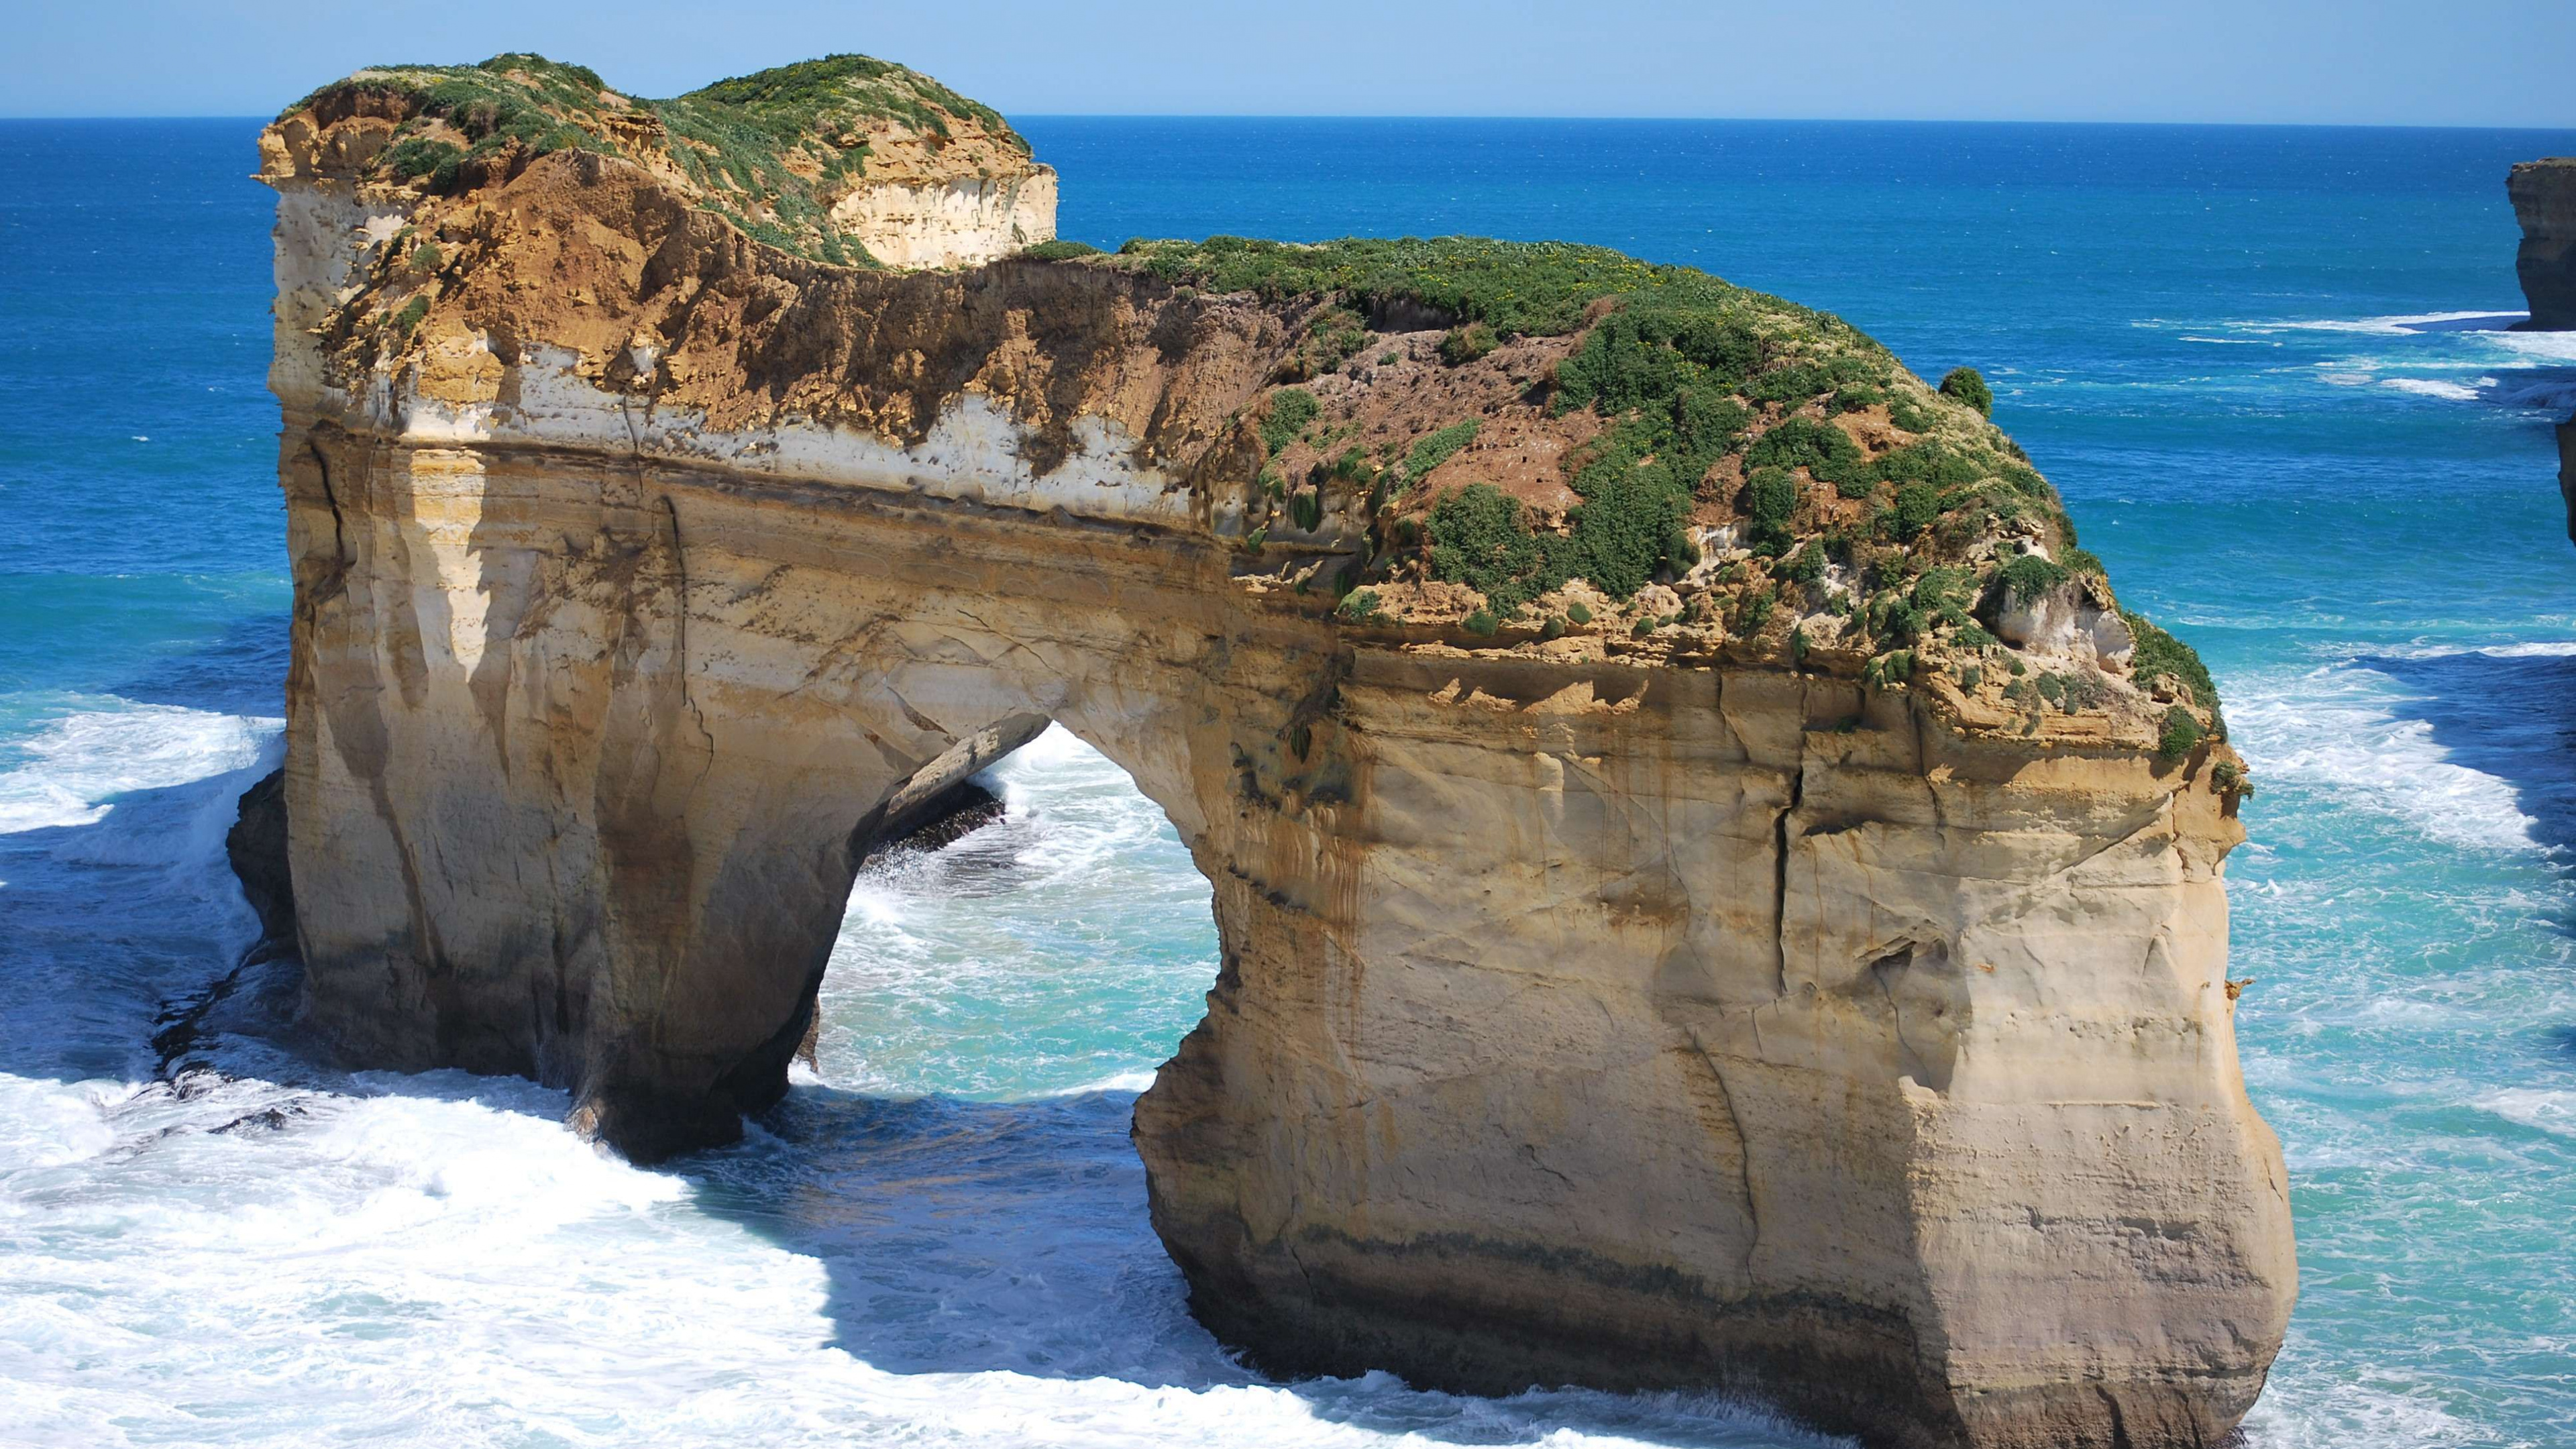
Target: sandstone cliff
1712, 889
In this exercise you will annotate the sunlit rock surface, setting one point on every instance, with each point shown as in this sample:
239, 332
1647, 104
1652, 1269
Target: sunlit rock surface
1689, 993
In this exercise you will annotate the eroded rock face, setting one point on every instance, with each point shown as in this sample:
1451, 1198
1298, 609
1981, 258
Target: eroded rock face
1594, 1008
951, 223
2567, 473
2544, 201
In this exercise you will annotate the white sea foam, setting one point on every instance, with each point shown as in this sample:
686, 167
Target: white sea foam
2335, 727
47, 1124
2539, 346
81, 762
2529, 649
2435, 387
2487, 363
2336, 1414
436, 1261
1054, 747
2550, 1110
1120, 1082
2401, 326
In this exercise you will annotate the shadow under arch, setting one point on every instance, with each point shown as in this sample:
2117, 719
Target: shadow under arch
963, 1237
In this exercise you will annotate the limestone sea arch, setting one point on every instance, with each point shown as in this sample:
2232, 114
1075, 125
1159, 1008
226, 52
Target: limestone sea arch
1712, 889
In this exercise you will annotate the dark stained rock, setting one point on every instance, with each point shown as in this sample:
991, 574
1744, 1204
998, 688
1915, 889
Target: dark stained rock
2544, 201
256, 845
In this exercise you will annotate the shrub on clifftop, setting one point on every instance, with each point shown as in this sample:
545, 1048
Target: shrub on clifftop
1467, 343
1968, 385
1291, 409
2029, 576
1825, 451
2163, 659
1478, 539
2178, 736
1433, 449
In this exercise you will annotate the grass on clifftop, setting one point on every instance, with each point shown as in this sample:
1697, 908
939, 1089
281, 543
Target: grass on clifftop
842, 95
1714, 402
768, 150
1687, 371
1516, 288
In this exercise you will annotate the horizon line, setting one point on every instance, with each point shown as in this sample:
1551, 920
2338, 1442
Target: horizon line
2567, 128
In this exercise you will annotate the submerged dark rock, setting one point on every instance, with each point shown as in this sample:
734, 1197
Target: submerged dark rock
256, 846
246, 997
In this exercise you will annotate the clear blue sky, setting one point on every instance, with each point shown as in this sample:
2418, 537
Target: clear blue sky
2431, 62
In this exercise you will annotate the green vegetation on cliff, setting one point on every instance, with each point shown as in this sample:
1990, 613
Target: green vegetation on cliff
768, 151
1711, 414
1711, 398
2165, 661
1434, 449
1684, 369
1969, 386
1515, 288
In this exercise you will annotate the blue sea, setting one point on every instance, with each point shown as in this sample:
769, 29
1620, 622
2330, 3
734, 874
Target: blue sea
2263, 365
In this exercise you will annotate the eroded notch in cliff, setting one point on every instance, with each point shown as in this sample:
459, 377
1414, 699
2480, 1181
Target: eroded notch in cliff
1780, 877
1743, 1154
680, 582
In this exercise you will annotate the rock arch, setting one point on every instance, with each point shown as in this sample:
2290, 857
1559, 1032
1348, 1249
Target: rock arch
671, 727
1584, 1016
1533, 1056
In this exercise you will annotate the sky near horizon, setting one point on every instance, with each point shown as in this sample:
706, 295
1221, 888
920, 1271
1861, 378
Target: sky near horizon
2455, 62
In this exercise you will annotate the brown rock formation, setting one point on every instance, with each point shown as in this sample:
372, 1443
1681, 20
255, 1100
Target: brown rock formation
2544, 201
1694, 991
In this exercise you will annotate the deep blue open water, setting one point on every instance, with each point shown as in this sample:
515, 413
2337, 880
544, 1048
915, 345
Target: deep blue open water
2260, 363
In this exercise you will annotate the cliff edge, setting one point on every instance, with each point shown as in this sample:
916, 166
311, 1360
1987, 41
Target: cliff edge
1712, 888
2544, 201
847, 159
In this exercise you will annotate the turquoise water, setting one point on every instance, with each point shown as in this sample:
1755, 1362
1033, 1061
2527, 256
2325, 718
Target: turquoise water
2259, 363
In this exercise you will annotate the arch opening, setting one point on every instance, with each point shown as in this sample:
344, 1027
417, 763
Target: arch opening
1060, 939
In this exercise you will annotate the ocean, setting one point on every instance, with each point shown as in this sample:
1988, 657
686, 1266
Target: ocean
2262, 364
